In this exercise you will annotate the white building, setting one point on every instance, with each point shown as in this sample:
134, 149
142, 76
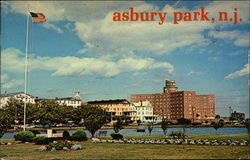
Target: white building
145, 112
70, 101
4, 98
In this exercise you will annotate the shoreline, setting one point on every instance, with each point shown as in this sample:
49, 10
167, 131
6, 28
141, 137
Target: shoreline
125, 127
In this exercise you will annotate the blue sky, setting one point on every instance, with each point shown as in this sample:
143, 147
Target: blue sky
80, 48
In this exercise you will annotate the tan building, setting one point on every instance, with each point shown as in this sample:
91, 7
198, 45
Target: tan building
119, 109
173, 104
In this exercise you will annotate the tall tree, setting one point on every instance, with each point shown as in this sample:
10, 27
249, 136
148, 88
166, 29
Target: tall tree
164, 125
247, 124
184, 122
117, 126
218, 125
94, 118
48, 112
150, 128
14, 109
5, 121
217, 116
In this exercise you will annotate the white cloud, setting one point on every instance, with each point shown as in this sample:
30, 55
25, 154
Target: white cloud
75, 66
6, 82
240, 38
100, 35
228, 6
10, 60
195, 73
214, 58
112, 37
4, 78
53, 27
244, 71
225, 34
12, 83
51, 10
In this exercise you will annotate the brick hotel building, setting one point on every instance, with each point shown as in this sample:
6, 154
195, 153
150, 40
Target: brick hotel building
173, 104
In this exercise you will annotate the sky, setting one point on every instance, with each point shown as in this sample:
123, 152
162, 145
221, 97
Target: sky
80, 48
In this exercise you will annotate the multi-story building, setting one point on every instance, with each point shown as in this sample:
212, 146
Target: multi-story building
173, 104
19, 96
145, 112
119, 109
70, 101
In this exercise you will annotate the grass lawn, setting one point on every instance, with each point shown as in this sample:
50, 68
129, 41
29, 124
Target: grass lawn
132, 151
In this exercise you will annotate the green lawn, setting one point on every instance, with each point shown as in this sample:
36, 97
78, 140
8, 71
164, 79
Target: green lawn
132, 151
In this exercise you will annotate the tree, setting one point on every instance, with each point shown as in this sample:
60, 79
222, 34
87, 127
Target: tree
150, 128
49, 112
218, 125
5, 121
118, 126
138, 122
164, 126
94, 118
247, 124
217, 116
14, 110
184, 122
206, 122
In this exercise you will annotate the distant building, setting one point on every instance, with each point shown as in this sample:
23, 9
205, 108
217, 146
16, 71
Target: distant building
70, 101
145, 112
236, 116
119, 109
173, 104
4, 98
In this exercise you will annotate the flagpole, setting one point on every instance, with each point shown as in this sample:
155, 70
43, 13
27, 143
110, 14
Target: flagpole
26, 69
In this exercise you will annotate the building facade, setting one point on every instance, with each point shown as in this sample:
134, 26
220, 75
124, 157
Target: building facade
145, 112
70, 101
4, 98
119, 109
173, 104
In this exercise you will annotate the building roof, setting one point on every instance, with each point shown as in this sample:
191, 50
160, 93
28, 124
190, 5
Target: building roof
13, 94
68, 98
109, 101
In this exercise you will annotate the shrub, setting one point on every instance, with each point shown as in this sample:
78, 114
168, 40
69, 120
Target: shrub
79, 135
40, 140
116, 136
66, 134
24, 136
60, 145
178, 135
47, 140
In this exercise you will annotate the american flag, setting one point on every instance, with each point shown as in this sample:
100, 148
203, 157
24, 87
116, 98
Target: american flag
37, 17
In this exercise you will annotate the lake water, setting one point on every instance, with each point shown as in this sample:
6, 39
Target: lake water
156, 131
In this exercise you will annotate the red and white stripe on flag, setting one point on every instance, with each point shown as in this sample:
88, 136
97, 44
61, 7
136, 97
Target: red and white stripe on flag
38, 17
